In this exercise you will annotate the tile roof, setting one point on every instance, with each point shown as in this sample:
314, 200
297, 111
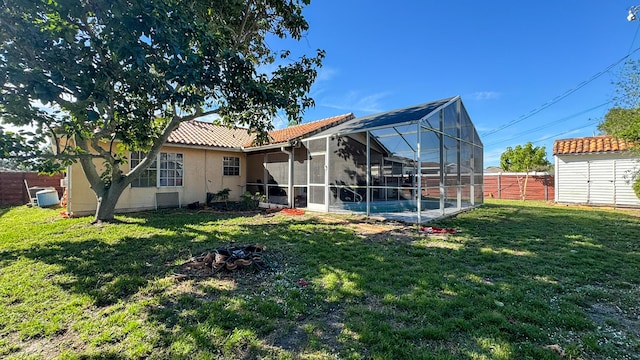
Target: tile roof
593, 144
202, 133
306, 129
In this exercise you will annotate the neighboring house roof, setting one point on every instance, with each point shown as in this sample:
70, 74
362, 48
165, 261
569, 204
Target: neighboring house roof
493, 169
202, 133
592, 144
296, 132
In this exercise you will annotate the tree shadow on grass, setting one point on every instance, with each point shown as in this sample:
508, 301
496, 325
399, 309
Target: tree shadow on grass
107, 273
395, 298
511, 279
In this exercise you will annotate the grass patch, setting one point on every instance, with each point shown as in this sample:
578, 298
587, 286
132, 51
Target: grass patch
519, 280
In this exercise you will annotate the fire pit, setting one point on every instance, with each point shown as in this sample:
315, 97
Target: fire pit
227, 259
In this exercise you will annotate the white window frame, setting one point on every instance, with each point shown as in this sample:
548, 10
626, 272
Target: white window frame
227, 166
168, 168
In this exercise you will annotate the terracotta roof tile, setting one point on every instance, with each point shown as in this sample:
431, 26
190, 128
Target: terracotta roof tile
202, 133
302, 130
593, 144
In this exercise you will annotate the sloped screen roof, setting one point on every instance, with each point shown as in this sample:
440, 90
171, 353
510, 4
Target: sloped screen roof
395, 117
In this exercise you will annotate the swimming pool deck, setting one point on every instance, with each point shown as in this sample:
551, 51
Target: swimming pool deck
411, 217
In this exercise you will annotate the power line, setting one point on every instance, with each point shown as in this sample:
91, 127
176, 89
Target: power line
562, 133
543, 126
560, 97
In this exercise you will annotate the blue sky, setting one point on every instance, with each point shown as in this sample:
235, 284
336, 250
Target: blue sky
506, 59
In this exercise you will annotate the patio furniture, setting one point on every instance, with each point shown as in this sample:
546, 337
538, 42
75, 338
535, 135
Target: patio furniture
31, 192
44, 191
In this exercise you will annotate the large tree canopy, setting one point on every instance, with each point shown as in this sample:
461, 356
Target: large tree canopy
623, 121
525, 159
100, 77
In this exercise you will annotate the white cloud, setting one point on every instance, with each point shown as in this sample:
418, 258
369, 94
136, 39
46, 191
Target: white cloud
484, 95
326, 74
280, 121
492, 157
354, 101
481, 128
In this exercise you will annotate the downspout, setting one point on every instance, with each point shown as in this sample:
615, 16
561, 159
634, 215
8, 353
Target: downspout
290, 176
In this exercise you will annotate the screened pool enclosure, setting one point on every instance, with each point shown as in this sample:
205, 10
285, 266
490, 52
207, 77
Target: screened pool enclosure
413, 164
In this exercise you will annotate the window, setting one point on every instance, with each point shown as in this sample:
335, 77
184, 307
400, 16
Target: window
170, 172
231, 166
149, 177
170, 169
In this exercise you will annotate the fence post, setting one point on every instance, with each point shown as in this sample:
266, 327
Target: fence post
546, 187
499, 186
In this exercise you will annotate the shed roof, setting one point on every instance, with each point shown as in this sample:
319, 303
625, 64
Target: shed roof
590, 145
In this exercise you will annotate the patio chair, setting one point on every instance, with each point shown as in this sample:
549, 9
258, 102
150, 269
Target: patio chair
33, 200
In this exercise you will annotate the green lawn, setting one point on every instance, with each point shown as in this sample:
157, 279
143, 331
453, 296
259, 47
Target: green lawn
519, 280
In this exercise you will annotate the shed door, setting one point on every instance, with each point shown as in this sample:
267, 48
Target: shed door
573, 179
601, 182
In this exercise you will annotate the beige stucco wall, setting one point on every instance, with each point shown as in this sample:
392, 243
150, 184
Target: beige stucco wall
203, 172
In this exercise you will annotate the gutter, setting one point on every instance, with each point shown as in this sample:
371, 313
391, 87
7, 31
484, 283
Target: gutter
203, 147
266, 147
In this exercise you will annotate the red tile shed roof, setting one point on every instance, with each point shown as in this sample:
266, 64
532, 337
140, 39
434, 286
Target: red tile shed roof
202, 133
593, 144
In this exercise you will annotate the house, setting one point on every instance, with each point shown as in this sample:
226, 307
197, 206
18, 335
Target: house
198, 158
595, 170
382, 163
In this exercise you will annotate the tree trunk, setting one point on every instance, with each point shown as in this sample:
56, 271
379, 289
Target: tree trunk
107, 201
522, 185
524, 190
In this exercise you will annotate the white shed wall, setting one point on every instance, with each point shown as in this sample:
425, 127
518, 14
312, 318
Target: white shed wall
598, 179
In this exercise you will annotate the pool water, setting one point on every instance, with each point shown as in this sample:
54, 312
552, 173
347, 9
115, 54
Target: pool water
391, 206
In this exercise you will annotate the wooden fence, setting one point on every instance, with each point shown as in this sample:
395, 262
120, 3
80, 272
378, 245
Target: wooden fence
541, 186
14, 192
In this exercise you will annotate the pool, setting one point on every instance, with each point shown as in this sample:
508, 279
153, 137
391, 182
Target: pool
390, 206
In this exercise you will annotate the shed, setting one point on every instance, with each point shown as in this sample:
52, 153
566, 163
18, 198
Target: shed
596, 170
